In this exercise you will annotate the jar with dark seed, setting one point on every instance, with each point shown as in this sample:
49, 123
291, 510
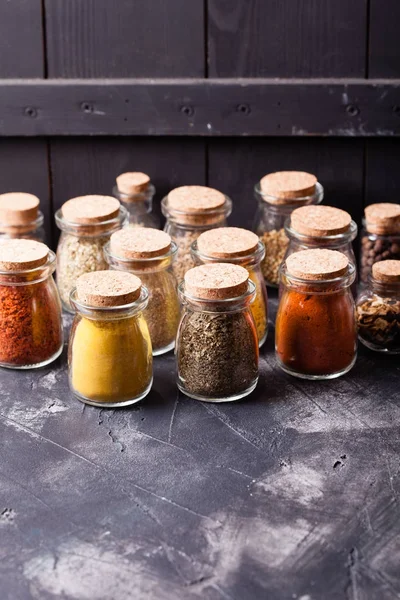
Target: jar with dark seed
380, 237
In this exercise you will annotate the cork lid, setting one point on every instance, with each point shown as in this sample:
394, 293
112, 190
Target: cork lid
383, 218
22, 255
386, 271
90, 209
18, 208
218, 281
139, 242
195, 198
288, 185
132, 183
227, 242
108, 288
320, 221
317, 265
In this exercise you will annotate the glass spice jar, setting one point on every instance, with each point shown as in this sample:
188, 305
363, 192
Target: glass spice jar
136, 192
149, 254
278, 194
109, 358
378, 308
217, 343
190, 210
240, 247
20, 217
316, 335
380, 236
31, 333
86, 223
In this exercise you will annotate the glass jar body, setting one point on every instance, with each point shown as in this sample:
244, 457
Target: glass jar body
30, 231
216, 352
375, 248
270, 228
378, 317
163, 310
110, 357
139, 208
31, 333
316, 335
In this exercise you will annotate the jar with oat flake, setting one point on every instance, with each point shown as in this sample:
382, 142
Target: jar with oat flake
86, 223
136, 192
190, 210
378, 308
278, 194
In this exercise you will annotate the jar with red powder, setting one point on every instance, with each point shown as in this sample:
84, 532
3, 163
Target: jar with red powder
31, 332
316, 333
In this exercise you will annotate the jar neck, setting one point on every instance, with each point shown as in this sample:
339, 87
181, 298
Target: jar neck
250, 260
285, 206
200, 220
30, 276
318, 287
380, 288
381, 232
110, 313
136, 204
327, 241
105, 228
19, 230
140, 265
229, 305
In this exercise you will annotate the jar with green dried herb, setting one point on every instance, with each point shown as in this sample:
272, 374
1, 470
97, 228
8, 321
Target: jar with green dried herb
240, 247
86, 223
378, 308
149, 254
217, 342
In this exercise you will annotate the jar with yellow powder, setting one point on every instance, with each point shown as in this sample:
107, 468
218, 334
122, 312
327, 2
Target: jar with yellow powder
149, 254
110, 356
240, 247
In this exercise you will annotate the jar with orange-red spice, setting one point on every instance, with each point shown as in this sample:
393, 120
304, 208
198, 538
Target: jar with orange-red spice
316, 333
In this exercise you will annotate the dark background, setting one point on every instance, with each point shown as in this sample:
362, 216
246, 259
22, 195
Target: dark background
64, 137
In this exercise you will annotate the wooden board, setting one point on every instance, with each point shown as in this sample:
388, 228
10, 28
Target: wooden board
235, 166
287, 38
384, 44
104, 38
382, 171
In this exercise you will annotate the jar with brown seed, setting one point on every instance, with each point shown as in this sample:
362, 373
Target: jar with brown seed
149, 254
136, 192
239, 247
380, 236
190, 210
278, 194
20, 217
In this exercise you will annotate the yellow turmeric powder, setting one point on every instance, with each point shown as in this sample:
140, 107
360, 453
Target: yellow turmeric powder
111, 360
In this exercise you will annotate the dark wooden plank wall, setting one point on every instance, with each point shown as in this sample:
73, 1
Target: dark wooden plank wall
201, 38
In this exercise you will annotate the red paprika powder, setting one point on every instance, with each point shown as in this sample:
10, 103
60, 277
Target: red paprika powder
30, 308
316, 336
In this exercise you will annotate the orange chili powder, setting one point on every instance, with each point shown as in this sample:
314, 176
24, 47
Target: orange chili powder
316, 334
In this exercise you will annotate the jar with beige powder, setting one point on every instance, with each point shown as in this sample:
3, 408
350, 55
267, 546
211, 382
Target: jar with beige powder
278, 194
190, 210
20, 217
86, 224
380, 236
136, 192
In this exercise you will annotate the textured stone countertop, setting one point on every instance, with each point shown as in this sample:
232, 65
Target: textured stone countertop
292, 493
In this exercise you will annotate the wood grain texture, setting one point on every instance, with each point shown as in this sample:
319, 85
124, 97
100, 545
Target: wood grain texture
21, 36
287, 38
382, 171
235, 166
292, 493
384, 47
102, 38
24, 168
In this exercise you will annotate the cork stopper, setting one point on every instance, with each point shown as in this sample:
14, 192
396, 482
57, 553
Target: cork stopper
22, 255
320, 221
195, 205
285, 186
90, 210
139, 242
218, 281
386, 271
18, 208
132, 183
383, 218
227, 242
317, 265
108, 288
